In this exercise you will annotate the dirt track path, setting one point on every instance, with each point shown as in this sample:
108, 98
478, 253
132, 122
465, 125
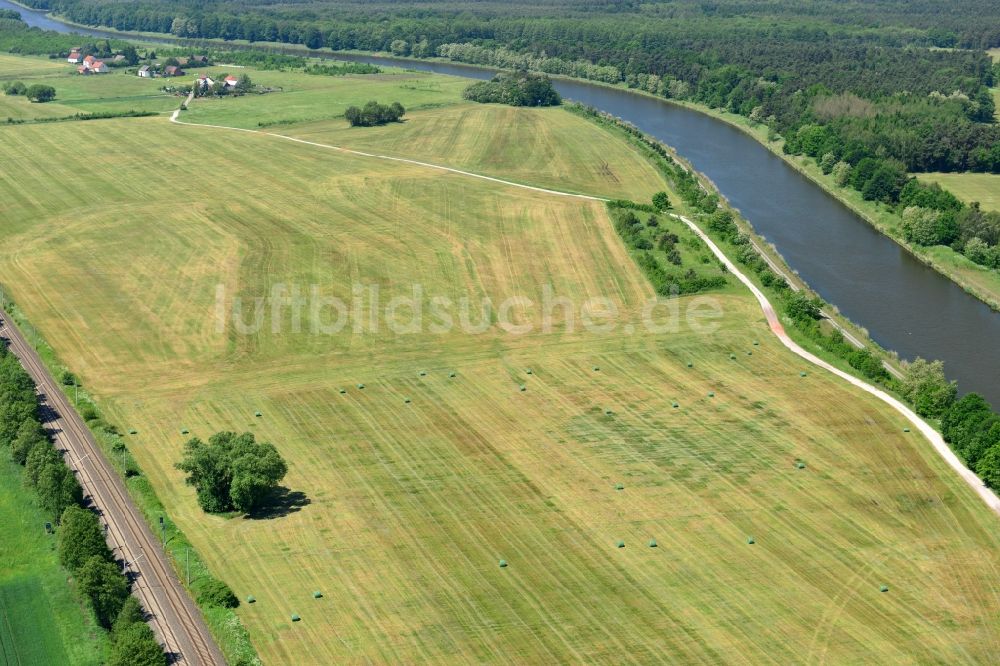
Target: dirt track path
175, 619
932, 435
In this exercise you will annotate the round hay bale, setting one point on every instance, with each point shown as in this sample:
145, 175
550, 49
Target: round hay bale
133, 431
523, 387
452, 373
619, 486
251, 599
800, 465
597, 368
732, 357
608, 412
756, 343
690, 364
528, 371
802, 374
258, 414
423, 373
406, 400
652, 543
361, 386
620, 544
185, 431
906, 430
503, 564
295, 617
751, 540
883, 588
343, 391
317, 595
711, 394
749, 352
675, 404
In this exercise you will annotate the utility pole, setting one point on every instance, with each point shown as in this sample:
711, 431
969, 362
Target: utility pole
163, 531
187, 562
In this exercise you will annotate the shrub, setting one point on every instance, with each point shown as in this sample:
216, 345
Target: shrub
214, 592
80, 538
136, 645
103, 584
14, 88
374, 113
40, 93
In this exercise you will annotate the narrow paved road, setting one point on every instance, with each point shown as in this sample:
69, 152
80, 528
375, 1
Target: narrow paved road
175, 619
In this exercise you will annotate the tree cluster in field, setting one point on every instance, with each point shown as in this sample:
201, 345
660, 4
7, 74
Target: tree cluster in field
519, 88
36, 92
81, 545
373, 113
342, 69
658, 251
219, 88
232, 472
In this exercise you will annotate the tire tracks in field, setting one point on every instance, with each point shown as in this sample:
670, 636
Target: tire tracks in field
936, 440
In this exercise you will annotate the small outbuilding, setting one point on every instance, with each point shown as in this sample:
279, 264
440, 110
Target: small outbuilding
74, 57
145, 72
173, 70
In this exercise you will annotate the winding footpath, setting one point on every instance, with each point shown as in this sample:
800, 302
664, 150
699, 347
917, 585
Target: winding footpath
933, 436
174, 618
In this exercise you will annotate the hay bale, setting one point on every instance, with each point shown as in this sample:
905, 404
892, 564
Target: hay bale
185, 431
528, 371
751, 540
732, 357
423, 373
690, 364
652, 543
749, 352
906, 430
800, 465
675, 404
597, 369
317, 595
133, 431
883, 588
503, 564
620, 544
258, 414
406, 400
608, 412
756, 343
619, 486
523, 387
802, 374
251, 599
452, 373
295, 617
361, 386
711, 394
343, 391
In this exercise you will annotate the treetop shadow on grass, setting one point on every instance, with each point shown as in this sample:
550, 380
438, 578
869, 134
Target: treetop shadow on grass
281, 502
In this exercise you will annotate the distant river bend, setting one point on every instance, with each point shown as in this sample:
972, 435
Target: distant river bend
905, 305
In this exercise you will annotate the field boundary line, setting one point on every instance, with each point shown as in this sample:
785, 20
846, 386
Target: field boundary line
429, 165
932, 435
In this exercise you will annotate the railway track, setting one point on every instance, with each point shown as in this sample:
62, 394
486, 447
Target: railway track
174, 618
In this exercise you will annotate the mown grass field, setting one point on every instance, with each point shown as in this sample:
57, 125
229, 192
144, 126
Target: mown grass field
981, 187
399, 512
41, 622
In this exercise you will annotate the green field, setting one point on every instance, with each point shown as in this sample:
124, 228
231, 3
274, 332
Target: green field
42, 623
981, 187
399, 512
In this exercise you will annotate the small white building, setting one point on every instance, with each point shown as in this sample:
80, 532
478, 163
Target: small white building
204, 82
231, 81
145, 72
74, 57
